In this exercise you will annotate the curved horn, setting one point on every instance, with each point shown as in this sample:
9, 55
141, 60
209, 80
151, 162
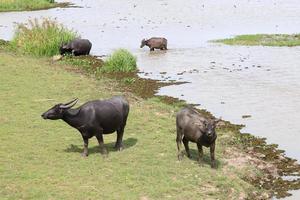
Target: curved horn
69, 104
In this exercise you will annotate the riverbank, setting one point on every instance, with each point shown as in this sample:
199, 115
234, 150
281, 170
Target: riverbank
29, 5
33, 85
263, 40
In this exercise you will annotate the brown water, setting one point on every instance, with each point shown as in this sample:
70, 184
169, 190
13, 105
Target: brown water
229, 81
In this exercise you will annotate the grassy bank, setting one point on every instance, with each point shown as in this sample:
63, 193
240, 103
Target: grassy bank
263, 39
21, 5
41, 159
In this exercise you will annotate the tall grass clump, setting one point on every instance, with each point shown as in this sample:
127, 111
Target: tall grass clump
18, 5
120, 61
41, 38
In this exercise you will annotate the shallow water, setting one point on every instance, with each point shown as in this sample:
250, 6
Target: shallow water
229, 81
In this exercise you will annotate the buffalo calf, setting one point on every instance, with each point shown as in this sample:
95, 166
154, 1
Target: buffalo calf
94, 118
193, 126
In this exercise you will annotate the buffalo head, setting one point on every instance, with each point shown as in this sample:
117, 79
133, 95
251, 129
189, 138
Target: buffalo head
210, 127
143, 43
57, 111
64, 48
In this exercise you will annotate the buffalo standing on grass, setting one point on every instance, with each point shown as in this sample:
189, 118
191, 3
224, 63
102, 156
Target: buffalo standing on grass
94, 118
76, 47
155, 43
193, 126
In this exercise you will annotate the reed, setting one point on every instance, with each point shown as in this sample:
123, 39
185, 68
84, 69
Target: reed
41, 38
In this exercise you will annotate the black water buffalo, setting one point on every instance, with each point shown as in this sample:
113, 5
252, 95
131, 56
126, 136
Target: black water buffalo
76, 47
193, 126
94, 118
155, 43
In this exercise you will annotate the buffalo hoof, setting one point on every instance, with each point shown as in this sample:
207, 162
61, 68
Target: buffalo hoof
84, 155
213, 165
104, 152
119, 148
180, 156
200, 163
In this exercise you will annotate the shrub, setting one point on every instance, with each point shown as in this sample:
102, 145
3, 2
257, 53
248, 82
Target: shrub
120, 61
41, 38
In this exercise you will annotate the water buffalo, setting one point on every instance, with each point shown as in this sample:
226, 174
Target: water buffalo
155, 43
77, 47
193, 126
94, 118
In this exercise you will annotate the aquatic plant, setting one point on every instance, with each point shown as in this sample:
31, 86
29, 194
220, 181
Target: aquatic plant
18, 5
120, 61
41, 38
263, 39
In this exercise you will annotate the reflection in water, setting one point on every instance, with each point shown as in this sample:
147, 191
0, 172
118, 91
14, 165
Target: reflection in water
263, 82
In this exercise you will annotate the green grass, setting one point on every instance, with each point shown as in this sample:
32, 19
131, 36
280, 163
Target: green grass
18, 5
121, 60
41, 38
263, 39
40, 159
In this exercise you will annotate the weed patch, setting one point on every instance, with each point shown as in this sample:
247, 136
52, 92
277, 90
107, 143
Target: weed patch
120, 61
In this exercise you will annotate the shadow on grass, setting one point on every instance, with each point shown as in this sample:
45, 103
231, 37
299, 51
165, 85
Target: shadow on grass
129, 142
206, 157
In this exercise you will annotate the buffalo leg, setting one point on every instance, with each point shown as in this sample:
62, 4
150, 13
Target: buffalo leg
212, 155
85, 152
186, 146
178, 141
200, 151
119, 145
103, 150
152, 49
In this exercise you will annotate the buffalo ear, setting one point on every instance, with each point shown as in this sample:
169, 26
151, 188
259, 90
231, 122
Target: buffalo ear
216, 121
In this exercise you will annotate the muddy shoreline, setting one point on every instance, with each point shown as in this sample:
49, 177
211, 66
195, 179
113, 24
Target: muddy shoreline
266, 157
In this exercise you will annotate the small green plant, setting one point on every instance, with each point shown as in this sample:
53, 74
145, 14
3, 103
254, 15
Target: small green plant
120, 61
18, 5
129, 80
41, 38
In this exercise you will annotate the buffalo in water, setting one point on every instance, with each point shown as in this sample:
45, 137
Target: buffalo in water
193, 126
94, 118
76, 47
155, 43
